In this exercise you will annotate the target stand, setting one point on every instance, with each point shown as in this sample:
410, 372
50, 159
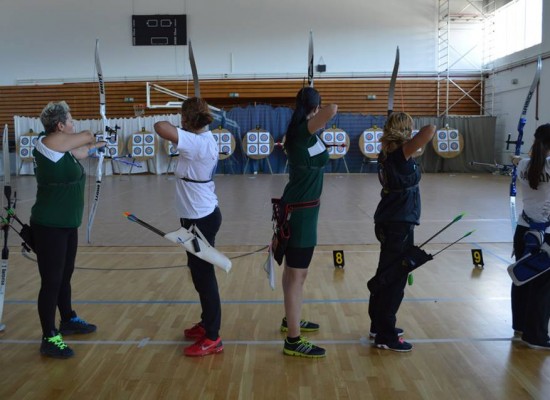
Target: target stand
226, 147
257, 145
24, 147
337, 142
142, 147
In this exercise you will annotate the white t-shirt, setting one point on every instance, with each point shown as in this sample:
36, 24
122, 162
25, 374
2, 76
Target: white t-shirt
536, 203
198, 158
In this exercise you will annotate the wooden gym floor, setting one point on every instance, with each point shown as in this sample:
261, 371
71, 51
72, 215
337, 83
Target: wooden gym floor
135, 287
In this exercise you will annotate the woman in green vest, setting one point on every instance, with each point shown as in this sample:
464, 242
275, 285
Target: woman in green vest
55, 218
307, 157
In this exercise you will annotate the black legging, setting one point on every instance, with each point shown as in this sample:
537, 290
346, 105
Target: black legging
56, 252
384, 303
204, 276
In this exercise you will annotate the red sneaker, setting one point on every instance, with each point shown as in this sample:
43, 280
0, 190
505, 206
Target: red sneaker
204, 347
196, 332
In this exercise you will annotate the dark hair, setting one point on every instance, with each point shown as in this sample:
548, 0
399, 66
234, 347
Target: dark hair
539, 152
307, 100
195, 114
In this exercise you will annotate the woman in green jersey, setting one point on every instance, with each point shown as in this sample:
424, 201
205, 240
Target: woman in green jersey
307, 157
55, 218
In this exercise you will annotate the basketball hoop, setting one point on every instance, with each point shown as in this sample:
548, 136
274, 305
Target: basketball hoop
139, 110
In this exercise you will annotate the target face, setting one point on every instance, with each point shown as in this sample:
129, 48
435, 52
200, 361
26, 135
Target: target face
336, 142
258, 143
25, 145
369, 142
448, 143
149, 151
143, 144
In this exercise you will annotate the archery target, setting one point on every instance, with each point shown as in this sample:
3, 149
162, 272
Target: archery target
114, 145
225, 141
337, 142
258, 144
442, 135
137, 151
448, 143
149, 138
149, 151
25, 146
143, 144
369, 142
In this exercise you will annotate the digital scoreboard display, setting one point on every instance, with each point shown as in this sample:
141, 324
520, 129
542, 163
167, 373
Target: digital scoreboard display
159, 30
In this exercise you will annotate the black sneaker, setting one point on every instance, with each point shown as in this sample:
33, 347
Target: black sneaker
541, 346
76, 325
303, 348
305, 326
398, 331
400, 346
55, 347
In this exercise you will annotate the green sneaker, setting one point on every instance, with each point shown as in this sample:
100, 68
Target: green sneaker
303, 348
55, 347
305, 326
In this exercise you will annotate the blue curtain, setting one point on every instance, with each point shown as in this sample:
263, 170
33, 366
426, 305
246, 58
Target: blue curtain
275, 120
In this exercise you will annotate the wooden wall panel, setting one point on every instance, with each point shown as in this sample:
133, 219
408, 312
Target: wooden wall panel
416, 96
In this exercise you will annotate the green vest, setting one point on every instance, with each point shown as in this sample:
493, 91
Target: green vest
60, 191
305, 184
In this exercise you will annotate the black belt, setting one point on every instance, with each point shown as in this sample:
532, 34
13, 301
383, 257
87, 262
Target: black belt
195, 181
540, 226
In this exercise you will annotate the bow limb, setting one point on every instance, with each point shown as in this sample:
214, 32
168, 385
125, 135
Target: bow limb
519, 141
6, 222
393, 80
310, 70
196, 82
101, 154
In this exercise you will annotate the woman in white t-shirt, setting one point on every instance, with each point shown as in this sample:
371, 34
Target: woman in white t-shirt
531, 301
197, 204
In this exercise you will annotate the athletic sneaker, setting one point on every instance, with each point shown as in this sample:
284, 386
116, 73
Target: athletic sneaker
54, 346
543, 346
398, 331
303, 348
400, 346
196, 332
204, 347
305, 326
76, 325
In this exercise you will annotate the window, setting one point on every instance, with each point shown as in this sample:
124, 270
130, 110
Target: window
518, 25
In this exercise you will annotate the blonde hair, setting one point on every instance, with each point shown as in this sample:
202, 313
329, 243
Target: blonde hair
53, 114
397, 131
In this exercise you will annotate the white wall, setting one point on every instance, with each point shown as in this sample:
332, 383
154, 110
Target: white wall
510, 97
55, 39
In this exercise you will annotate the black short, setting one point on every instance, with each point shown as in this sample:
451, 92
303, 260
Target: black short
298, 257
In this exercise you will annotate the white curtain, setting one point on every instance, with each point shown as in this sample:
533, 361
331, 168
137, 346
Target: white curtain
157, 165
